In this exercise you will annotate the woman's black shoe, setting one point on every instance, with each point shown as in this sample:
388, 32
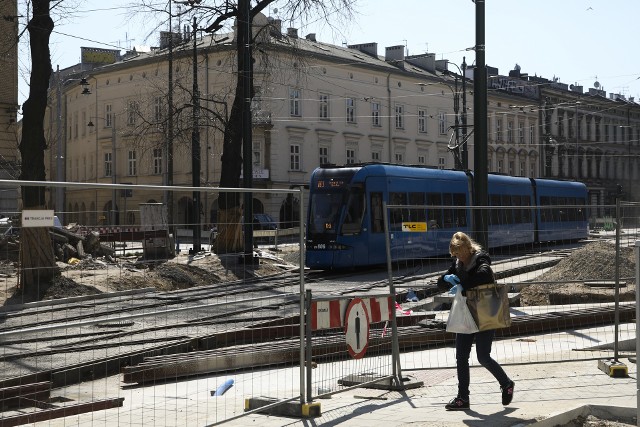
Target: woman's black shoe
457, 404
507, 393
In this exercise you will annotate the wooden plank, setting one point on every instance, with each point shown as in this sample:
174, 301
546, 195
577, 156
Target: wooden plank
65, 411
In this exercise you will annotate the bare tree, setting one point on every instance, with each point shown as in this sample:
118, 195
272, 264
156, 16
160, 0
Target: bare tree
241, 13
38, 261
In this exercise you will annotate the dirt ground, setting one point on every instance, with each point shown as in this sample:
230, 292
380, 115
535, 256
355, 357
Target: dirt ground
94, 276
563, 283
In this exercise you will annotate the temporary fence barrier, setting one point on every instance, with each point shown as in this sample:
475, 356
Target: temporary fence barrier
184, 334
570, 299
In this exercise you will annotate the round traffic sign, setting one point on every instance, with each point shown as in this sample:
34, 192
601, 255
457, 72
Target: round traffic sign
356, 328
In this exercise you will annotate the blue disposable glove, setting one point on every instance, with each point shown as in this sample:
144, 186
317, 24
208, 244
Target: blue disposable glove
452, 278
453, 290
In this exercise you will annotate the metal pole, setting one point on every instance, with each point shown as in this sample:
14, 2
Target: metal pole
637, 254
302, 295
247, 138
456, 110
168, 195
465, 152
617, 282
114, 193
309, 350
59, 202
395, 347
480, 125
195, 148
577, 172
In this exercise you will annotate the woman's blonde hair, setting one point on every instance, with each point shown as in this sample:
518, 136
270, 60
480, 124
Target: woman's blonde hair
460, 240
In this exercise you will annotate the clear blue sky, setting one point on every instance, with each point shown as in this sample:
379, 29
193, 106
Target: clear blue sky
575, 40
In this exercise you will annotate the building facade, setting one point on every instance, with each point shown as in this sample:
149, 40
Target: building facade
314, 104
9, 135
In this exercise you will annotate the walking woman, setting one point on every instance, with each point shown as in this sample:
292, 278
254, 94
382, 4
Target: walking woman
470, 268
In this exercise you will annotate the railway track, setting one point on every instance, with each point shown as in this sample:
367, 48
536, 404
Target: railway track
127, 330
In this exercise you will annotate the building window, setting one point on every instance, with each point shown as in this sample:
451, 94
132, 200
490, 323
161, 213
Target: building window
532, 134
132, 165
442, 123
498, 130
441, 162
323, 155
500, 166
422, 159
132, 113
84, 123
532, 170
108, 163
157, 109
521, 133
108, 115
294, 102
510, 132
523, 169
399, 116
375, 113
324, 106
351, 110
399, 158
294, 157
375, 156
422, 121
257, 154
351, 156
157, 161
75, 125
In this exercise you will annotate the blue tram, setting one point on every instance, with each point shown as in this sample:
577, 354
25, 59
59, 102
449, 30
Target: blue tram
345, 226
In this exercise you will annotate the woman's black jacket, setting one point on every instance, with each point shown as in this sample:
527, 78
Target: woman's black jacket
479, 273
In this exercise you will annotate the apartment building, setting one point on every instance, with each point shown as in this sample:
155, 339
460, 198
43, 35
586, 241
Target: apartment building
315, 104
9, 134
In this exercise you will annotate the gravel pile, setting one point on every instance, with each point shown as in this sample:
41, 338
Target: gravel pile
593, 262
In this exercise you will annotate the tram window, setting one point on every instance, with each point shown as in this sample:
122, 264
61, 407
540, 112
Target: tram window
561, 209
525, 202
397, 215
434, 201
544, 209
377, 220
459, 199
355, 211
494, 200
571, 214
417, 214
507, 211
581, 209
448, 220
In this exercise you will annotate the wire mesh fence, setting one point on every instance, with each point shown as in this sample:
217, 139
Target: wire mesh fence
148, 316
571, 298
152, 321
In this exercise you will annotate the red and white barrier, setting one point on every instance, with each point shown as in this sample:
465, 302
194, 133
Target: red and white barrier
331, 314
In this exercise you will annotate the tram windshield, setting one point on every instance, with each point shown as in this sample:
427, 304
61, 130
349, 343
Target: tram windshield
325, 212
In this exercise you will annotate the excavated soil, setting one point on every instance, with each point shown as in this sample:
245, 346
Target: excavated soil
595, 262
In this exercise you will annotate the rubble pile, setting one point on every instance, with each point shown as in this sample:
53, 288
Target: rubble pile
68, 245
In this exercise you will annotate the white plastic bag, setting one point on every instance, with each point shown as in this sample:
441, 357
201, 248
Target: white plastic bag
460, 319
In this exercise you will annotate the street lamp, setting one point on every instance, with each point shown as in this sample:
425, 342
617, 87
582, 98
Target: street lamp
60, 168
463, 116
113, 211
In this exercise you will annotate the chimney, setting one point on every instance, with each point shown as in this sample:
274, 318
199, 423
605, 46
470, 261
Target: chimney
292, 32
311, 37
276, 26
426, 61
370, 49
442, 64
394, 54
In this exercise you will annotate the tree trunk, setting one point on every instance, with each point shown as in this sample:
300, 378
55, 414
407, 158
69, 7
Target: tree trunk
38, 261
229, 203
